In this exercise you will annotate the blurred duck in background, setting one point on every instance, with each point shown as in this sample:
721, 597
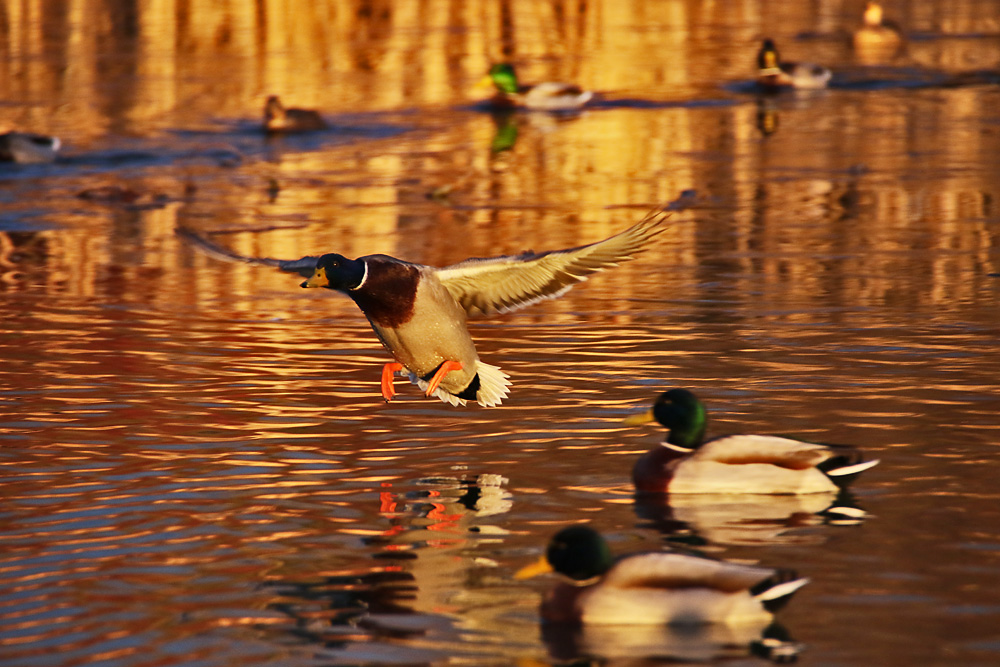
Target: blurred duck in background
877, 39
279, 119
774, 75
28, 148
546, 96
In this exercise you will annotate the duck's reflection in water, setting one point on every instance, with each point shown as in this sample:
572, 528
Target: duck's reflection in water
636, 645
420, 597
746, 519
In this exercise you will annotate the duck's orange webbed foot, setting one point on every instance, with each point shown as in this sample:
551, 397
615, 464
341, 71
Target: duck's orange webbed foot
388, 391
439, 374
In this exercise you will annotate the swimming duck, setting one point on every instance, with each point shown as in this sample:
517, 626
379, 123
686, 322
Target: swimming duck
419, 312
686, 463
542, 96
653, 588
28, 148
279, 119
773, 74
877, 39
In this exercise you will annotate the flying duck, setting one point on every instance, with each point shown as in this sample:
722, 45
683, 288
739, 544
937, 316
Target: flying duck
419, 312
279, 119
28, 148
546, 96
766, 464
773, 74
653, 588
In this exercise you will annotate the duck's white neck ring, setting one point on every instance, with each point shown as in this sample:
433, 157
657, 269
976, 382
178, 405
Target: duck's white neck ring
364, 277
676, 448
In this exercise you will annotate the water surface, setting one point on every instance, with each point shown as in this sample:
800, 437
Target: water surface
198, 468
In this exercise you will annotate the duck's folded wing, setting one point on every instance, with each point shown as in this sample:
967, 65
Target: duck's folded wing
775, 450
304, 267
552, 89
664, 570
502, 284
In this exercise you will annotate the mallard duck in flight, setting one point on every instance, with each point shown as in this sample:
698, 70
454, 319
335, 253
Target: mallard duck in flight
419, 312
687, 463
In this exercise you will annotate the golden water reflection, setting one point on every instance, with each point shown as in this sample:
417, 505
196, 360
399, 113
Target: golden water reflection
196, 462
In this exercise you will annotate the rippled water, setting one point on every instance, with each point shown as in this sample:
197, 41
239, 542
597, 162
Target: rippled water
198, 469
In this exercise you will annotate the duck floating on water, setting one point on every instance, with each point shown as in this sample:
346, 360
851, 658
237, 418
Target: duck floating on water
686, 463
653, 588
279, 119
28, 148
419, 312
548, 96
878, 39
773, 74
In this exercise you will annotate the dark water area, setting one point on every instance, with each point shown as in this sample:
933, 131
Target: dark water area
196, 464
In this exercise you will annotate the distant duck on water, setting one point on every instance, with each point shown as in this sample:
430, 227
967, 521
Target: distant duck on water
765, 464
279, 119
548, 96
28, 148
878, 39
773, 74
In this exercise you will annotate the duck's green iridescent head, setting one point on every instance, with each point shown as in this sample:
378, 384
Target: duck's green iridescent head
682, 413
579, 552
504, 78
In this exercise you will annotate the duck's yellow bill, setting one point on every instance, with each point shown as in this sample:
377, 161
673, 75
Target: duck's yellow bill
540, 566
484, 83
640, 419
318, 279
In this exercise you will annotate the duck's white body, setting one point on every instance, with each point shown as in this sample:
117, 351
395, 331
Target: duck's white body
677, 589
552, 96
754, 464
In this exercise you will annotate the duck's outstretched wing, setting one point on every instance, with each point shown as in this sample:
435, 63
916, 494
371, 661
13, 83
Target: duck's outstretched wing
304, 267
502, 284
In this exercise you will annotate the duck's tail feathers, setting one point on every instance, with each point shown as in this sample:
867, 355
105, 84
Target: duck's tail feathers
445, 396
855, 469
493, 384
843, 468
775, 591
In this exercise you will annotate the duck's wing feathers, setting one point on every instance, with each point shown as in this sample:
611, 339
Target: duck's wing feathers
783, 452
502, 284
304, 267
552, 89
670, 571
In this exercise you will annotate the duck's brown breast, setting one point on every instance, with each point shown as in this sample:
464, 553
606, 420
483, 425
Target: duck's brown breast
389, 292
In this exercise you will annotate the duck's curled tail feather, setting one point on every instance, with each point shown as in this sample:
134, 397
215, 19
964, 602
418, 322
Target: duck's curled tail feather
493, 387
775, 591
